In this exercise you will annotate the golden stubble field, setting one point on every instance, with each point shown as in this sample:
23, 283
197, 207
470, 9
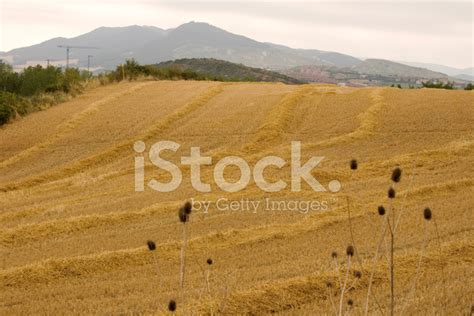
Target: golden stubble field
73, 230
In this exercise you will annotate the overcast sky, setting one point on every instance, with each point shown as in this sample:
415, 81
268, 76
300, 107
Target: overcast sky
422, 31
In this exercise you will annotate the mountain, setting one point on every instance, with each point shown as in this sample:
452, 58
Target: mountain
153, 45
115, 45
318, 57
228, 71
111, 46
388, 68
465, 77
451, 71
202, 40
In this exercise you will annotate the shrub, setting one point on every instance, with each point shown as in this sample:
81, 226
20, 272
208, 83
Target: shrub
7, 106
35, 88
9, 80
438, 85
34, 80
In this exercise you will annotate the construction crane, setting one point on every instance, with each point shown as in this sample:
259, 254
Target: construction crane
68, 48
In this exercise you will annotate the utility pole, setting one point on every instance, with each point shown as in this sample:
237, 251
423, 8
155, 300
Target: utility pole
89, 62
47, 63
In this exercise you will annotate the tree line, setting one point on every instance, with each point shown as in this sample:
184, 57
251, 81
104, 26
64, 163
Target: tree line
35, 87
132, 70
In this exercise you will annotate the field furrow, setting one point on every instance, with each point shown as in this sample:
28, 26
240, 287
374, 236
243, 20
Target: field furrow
73, 226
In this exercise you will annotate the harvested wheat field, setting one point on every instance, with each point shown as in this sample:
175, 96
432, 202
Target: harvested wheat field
74, 230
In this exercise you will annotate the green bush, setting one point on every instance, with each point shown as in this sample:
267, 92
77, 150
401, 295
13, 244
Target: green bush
131, 70
438, 85
36, 87
34, 80
7, 106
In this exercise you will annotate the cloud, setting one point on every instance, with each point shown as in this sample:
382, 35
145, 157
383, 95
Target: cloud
426, 18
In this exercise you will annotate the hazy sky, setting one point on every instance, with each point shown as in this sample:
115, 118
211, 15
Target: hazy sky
423, 31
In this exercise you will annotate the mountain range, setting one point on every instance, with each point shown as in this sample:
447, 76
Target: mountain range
111, 46
461, 73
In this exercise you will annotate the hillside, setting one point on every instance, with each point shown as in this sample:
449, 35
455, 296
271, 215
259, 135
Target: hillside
112, 46
450, 71
227, 70
322, 74
370, 72
74, 230
388, 68
465, 77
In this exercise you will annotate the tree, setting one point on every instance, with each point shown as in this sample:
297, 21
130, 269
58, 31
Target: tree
438, 85
9, 80
132, 69
72, 77
34, 80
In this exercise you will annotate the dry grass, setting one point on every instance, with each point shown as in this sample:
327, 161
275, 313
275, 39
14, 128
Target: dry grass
74, 231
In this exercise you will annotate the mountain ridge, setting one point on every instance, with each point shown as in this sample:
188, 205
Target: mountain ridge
450, 71
152, 45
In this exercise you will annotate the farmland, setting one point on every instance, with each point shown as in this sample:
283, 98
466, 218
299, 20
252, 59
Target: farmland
74, 231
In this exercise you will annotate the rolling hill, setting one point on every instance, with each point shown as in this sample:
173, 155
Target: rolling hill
370, 72
227, 71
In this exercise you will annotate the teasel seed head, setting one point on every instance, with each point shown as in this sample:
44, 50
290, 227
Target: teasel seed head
396, 174
151, 245
209, 261
353, 164
350, 302
381, 210
334, 254
172, 305
188, 208
350, 250
427, 214
391, 193
183, 217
